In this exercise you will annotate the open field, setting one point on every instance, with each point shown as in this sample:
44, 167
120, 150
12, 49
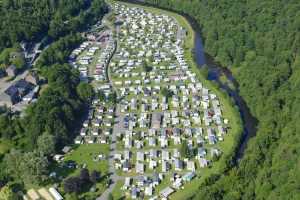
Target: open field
84, 155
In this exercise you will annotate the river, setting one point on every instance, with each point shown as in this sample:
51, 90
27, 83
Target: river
215, 71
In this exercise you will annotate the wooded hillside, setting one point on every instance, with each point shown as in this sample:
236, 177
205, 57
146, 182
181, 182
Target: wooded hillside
31, 20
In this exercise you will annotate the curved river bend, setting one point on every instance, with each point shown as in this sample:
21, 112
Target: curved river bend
215, 71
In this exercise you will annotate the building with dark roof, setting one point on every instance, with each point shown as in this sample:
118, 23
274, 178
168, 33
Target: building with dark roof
14, 93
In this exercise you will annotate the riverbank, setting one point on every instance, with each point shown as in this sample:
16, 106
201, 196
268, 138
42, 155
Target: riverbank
232, 141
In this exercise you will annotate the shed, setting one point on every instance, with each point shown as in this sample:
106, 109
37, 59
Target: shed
134, 193
152, 141
153, 153
165, 155
165, 166
45, 194
156, 120
126, 166
201, 152
140, 156
188, 176
178, 164
66, 149
140, 168
148, 191
203, 162
156, 179
127, 183
33, 195
55, 194
191, 166
165, 193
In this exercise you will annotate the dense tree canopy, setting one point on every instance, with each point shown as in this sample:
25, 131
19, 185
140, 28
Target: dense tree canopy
12, 56
78, 184
31, 20
46, 144
86, 92
9, 126
30, 167
260, 42
60, 99
59, 51
72, 185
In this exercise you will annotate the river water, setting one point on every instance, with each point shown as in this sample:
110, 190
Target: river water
215, 71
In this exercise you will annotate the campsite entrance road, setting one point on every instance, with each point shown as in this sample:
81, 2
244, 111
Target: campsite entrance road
112, 172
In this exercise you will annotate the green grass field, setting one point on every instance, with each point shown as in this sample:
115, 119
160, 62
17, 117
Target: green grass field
117, 192
84, 154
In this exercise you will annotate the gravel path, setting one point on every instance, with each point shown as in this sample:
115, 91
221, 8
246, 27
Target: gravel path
113, 175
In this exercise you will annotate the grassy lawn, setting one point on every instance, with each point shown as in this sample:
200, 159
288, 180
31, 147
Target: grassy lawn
117, 192
84, 154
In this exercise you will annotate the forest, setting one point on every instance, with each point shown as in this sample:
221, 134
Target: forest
259, 41
48, 124
32, 20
